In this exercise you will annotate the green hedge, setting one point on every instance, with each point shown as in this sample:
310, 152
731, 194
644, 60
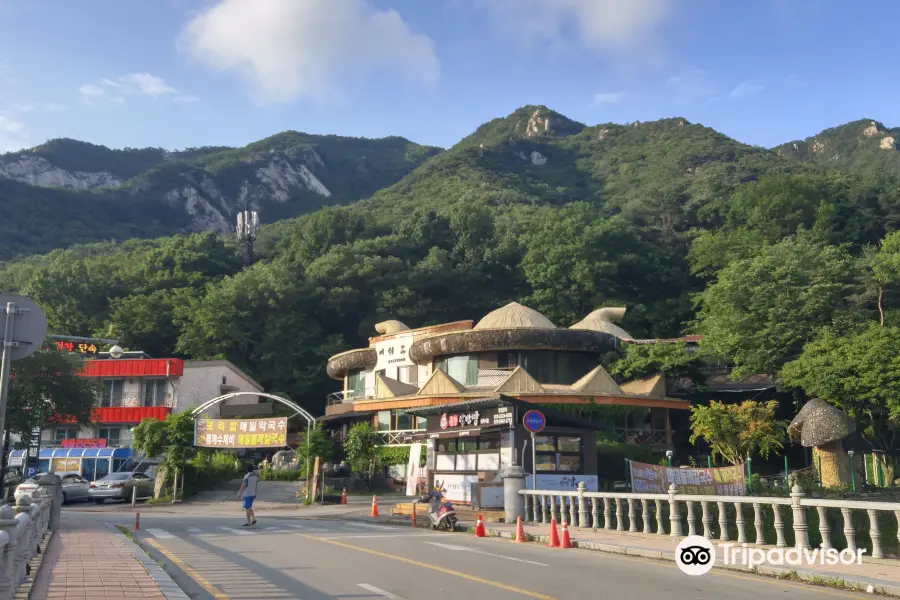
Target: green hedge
210, 469
397, 455
273, 475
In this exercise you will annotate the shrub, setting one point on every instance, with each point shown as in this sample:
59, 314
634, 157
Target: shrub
209, 469
273, 475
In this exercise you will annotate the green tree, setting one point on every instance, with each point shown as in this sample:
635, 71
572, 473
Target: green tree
172, 438
319, 445
736, 431
644, 360
859, 373
48, 384
360, 447
884, 265
762, 310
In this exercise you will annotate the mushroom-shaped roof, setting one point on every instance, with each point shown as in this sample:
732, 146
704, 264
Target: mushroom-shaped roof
514, 316
603, 320
389, 327
819, 423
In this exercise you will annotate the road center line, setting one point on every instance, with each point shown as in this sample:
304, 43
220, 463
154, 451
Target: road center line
416, 563
379, 591
206, 585
477, 551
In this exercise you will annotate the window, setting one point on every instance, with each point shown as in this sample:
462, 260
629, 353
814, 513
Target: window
113, 393
548, 366
155, 392
398, 420
141, 477
356, 383
559, 454
384, 420
112, 435
463, 368
409, 375
65, 433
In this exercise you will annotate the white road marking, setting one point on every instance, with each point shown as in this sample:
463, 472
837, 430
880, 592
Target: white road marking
270, 528
379, 591
379, 536
160, 533
305, 528
477, 551
354, 524
194, 530
236, 531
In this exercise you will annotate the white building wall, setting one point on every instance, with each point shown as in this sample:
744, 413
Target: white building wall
203, 381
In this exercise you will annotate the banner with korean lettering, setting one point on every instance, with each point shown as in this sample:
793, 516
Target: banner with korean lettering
240, 433
720, 481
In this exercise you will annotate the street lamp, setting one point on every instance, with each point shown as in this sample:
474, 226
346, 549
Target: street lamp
669, 455
852, 473
116, 351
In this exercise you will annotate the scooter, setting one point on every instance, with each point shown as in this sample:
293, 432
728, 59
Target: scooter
442, 514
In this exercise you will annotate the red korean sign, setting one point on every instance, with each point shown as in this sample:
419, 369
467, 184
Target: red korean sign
83, 443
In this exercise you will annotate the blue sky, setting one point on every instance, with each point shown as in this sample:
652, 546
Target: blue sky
182, 73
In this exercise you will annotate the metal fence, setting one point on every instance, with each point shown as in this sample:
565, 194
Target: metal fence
797, 521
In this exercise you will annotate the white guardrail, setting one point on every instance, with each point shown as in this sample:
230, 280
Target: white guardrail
22, 531
839, 524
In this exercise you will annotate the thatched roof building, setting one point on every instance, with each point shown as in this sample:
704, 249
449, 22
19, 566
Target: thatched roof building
514, 316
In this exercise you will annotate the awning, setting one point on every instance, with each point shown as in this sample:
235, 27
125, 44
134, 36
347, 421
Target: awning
78, 453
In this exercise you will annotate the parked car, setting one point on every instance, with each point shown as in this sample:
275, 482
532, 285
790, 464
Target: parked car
118, 486
74, 487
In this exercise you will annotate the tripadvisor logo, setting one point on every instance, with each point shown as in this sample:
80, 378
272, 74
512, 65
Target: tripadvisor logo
696, 555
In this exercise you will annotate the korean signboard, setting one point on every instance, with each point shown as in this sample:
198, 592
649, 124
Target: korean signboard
487, 417
656, 479
78, 347
393, 352
83, 443
241, 433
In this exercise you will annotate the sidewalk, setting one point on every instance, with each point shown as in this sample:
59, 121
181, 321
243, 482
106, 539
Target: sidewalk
86, 560
882, 574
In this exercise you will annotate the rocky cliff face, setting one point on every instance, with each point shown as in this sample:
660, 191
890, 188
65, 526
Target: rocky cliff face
282, 176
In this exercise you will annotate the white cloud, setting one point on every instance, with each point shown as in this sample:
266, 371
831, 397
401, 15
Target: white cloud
290, 49
13, 135
187, 99
609, 97
91, 93
134, 84
745, 89
692, 83
617, 25
38, 107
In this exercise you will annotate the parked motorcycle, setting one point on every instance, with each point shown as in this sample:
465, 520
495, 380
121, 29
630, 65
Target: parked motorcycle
441, 513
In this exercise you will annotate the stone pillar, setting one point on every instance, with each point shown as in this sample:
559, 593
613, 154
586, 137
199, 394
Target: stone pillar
513, 501
52, 486
9, 527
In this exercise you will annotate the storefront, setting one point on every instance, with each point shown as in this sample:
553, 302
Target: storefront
91, 463
471, 443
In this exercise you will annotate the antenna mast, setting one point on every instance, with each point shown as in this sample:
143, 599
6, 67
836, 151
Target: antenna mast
247, 228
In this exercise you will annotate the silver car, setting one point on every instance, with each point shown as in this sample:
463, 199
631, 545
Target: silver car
75, 488
119, 486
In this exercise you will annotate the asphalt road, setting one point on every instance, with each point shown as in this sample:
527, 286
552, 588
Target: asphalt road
310, 559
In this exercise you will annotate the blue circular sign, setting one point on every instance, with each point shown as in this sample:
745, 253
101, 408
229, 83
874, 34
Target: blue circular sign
534, 421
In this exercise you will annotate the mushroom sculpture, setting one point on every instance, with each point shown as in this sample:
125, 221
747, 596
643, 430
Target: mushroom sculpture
821, 427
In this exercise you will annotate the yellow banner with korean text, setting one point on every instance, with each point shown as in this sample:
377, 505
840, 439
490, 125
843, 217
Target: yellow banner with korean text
240, 433
719, 481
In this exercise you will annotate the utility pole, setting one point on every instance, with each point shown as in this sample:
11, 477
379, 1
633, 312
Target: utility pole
247, 228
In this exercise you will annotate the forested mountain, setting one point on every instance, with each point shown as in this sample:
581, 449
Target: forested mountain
860, 147
687, 228
66, 192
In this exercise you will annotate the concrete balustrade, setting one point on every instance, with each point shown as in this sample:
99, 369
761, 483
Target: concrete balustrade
727, 517
24, 529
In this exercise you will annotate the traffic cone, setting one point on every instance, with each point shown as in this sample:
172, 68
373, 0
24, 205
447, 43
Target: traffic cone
566, 541
479, 528
374, 507
137, 522
344, 496
520, 531
554, 535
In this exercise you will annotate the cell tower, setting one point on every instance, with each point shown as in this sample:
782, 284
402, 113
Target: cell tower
247, 227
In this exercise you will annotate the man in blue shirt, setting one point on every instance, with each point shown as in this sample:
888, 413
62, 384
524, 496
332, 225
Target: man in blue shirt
248, 493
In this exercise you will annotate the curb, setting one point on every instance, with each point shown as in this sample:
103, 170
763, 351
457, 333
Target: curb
167, 585
807, 578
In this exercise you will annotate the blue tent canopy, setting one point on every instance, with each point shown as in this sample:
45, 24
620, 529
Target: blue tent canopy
78, 453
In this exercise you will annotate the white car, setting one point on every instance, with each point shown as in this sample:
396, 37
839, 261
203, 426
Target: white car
74, 487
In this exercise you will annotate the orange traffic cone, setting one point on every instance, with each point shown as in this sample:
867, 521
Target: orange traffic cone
479, 528
566, 541
374, 507
554, 536
520, 531
344, 496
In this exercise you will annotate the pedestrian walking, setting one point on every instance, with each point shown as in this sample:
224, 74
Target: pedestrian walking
248, 494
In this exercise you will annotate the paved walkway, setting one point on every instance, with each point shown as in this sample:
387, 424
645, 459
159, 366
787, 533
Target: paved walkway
882, 574
86, 560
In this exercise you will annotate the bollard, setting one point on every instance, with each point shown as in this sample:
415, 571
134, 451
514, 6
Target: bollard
137, 521
133, 495
414, 513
